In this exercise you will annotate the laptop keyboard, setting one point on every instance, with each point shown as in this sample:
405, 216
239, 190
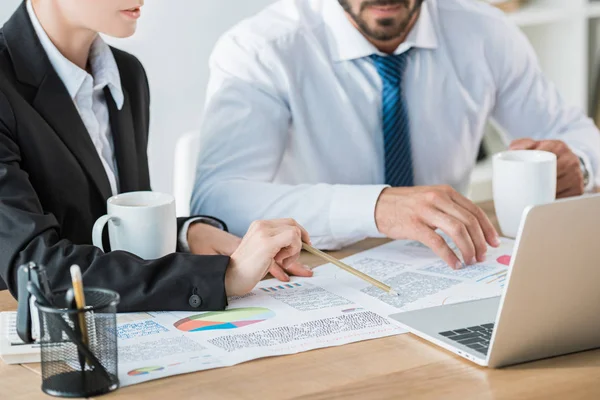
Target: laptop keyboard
474, 337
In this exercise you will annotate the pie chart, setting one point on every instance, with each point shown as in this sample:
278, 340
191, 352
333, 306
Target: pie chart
504, 260
144, 371
231, 319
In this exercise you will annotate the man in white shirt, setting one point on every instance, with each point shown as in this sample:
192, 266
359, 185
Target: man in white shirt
349, 115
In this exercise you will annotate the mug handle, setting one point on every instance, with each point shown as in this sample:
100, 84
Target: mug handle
98, 229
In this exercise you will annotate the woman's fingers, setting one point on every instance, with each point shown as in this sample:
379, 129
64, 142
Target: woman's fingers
279, 273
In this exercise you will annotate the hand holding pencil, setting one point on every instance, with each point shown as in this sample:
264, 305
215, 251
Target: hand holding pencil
349, 269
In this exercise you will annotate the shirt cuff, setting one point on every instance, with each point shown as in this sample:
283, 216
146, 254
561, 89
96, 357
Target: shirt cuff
352, 211
183, 241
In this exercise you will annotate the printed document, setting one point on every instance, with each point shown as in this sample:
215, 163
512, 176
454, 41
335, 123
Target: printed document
275, 319
421, 279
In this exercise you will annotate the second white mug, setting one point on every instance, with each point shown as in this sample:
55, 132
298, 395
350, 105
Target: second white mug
522, 178
142, 223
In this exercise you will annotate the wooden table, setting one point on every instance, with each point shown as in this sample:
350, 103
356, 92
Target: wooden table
399, 367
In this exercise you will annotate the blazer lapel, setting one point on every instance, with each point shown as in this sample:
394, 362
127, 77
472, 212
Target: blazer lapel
56, 106
123, 133
52, 100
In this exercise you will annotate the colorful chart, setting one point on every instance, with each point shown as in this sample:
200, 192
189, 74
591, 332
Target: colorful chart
498, 278
144, 371
281, 287
231, 319
459, 299
174, 365
504, 260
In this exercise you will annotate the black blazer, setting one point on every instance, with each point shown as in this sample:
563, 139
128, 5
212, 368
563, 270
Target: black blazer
53, 186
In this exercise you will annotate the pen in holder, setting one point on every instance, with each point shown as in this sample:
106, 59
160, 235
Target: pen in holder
63, 372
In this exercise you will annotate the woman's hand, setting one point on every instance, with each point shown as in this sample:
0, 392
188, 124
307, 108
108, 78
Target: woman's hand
208, 240
268, 245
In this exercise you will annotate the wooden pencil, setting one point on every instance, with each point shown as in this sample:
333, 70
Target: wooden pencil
79, 295
349, 269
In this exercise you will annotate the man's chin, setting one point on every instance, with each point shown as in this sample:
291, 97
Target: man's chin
384, 34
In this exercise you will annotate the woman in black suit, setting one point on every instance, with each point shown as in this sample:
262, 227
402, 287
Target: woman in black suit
74, 131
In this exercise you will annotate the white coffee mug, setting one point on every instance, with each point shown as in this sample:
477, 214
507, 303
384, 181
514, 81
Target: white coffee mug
142, 223
522, 178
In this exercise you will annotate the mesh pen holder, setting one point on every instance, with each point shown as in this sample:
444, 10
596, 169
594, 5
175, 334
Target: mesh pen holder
70, 367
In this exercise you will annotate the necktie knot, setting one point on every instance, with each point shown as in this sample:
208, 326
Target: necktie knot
391, 68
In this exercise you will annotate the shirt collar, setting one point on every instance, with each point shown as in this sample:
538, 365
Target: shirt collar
347, 43
105, 72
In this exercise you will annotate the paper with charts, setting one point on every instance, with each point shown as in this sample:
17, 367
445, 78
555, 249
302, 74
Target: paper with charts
420, 277
275, 319
331, 309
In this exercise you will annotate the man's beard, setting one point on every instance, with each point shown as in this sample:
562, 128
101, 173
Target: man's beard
393, 29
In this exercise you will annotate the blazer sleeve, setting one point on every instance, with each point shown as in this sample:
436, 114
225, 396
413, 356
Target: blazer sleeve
28, 234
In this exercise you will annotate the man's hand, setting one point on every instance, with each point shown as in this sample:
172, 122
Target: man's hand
266, 245
417, 212
208, 240
570, 178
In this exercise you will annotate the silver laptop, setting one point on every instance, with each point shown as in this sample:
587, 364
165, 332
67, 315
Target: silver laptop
551, 302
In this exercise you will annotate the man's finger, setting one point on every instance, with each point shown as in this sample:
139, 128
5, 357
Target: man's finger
523, 144
572, 192
570, 185
439, 246
473, 227
553, 146
490, 233
459, 234
567, 165
566, 183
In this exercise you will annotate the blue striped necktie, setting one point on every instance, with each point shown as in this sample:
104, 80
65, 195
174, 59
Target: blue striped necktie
396, 130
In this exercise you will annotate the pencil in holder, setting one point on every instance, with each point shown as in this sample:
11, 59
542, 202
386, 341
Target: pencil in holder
79, 361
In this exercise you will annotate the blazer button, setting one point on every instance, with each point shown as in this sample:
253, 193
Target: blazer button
195, 301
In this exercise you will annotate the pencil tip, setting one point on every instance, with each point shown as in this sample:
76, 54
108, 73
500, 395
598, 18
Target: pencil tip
394, 293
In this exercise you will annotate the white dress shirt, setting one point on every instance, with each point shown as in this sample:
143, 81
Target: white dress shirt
293, 121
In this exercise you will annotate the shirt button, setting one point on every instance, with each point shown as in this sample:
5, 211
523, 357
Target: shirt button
195, 301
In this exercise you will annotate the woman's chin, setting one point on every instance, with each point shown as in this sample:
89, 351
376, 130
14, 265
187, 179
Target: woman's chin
121, 32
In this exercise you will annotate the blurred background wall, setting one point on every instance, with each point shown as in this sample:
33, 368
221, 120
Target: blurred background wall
175, 39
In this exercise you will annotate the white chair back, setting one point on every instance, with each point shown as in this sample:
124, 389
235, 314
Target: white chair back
184, 172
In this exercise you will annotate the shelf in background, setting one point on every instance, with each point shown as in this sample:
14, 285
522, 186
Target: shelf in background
538, 14
481, 189
593, 9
